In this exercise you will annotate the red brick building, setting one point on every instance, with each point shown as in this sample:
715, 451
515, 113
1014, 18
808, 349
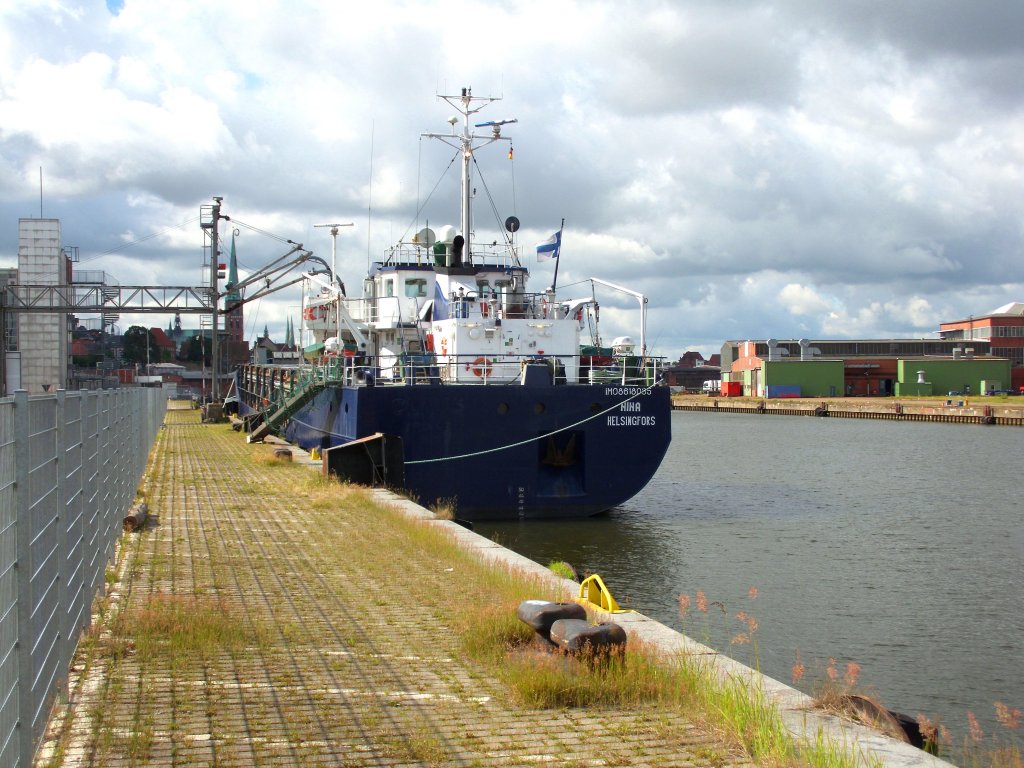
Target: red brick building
1003, 329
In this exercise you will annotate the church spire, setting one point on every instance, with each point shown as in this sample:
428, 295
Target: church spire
233, 296
233, 299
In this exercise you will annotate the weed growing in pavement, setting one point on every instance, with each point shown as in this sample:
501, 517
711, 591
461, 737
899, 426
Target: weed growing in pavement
139, 742
181, 628
625, 679
444, 509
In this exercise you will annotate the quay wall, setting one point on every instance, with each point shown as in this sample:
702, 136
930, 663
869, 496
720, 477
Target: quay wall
70, 466
954, 411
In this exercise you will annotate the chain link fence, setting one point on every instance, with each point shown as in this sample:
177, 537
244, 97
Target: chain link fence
70, 464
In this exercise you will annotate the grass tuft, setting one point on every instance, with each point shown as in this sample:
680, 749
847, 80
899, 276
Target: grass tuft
444, 509
563, 569
178, 628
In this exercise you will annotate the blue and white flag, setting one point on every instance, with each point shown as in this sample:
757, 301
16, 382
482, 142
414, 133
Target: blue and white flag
550, 247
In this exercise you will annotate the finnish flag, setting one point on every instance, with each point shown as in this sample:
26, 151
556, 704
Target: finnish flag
550, 247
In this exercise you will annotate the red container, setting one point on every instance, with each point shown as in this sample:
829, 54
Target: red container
732, 389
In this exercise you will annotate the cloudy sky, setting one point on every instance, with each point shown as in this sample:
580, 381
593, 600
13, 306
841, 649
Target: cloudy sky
805, 168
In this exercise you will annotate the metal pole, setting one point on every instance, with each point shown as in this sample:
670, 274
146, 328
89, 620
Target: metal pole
214, 265
335, 283
334, 247
65, 634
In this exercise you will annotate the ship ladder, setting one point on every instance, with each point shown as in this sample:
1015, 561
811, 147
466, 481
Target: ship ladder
281, 408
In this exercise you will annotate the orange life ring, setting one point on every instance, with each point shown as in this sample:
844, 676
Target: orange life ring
481, 367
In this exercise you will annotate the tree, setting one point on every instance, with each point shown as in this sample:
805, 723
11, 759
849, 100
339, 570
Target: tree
195, 350
135, 340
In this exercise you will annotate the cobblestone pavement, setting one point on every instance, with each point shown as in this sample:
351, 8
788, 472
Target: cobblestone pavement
250, 624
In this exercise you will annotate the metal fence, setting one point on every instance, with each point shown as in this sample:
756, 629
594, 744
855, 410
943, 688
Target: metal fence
70, 464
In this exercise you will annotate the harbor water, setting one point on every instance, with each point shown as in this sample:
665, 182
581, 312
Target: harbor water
896, 546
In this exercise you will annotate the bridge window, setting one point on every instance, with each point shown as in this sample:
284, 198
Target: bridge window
416, 288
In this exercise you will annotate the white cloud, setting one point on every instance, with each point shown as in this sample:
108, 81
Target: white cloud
803, 300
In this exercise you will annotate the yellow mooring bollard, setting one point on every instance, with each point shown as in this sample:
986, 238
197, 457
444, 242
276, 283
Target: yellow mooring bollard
594, 591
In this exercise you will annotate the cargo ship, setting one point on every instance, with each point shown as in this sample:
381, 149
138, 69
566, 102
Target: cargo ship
448, 379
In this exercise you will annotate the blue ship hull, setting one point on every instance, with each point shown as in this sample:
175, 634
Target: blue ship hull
501, 452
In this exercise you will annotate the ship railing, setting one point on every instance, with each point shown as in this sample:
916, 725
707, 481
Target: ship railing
509, 306
272, 388
627, 371
395, 310
411, 254
428, 368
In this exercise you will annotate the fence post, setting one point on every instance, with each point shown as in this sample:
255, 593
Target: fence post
64, 647
23, 528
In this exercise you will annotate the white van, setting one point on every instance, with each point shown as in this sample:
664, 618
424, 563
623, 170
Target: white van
711, 386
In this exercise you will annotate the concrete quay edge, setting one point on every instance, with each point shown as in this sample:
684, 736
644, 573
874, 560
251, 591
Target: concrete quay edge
796, 708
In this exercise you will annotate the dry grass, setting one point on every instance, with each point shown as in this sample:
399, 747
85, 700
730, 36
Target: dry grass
185, 628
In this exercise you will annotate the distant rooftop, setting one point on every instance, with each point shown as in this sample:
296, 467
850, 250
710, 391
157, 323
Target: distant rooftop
1013, 308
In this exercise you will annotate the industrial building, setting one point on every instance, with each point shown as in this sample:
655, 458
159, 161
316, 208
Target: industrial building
837, 368
1002, 330
37, 348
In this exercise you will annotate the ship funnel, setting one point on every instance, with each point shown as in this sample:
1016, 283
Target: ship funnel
920, 378
457, 245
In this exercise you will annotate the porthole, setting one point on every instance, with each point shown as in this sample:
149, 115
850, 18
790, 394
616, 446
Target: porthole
502, 408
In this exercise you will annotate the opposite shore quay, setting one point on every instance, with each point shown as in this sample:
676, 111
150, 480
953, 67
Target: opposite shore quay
265, 616
998, 411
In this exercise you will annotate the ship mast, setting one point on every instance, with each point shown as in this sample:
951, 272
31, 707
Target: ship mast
467, 156
464, 104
